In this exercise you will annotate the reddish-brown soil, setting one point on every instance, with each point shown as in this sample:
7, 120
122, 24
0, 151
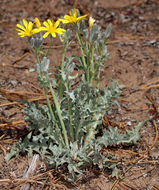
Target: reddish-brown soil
133, 62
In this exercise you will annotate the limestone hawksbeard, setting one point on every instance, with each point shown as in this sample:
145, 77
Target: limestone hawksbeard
72, 17
51, 27
26, 29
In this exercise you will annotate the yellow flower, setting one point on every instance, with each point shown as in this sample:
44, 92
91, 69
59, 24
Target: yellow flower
26, 29
91, 22
52, 28
72, 18
37, 22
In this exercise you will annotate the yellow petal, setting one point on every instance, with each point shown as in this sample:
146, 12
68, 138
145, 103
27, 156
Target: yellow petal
60, 30
81, 17
30, 26
66, 17
75, 13
36, 30
53, 34
70, 13
21, 34
25, 23
57, 23
46, 24
42, 28
37, 22
46, 34
49, 22
64, 21
91, 22
19, 30
20, 26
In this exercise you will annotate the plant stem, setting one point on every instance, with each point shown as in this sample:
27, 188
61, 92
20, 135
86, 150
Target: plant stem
92, 65
62, 68
70, 118
77, 131
51, 42
59, 115
98, 74
98, 77
47, 99
91, 131
51, 112
83, 57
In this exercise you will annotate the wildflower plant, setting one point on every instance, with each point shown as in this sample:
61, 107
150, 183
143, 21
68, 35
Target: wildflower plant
69, 132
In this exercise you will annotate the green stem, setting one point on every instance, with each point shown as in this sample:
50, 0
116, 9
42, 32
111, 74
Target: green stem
92, 65
62, 68
59, 115
77, 131
98, 74
83, 57
70, 118
48, 101
51, 42
51, 112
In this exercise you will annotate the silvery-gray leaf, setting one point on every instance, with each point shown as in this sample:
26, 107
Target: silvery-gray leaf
108, 30
63, 74
85, 33
82, 25
68, 33
44, 65
36, 42
70, 67
72, 96
73, 77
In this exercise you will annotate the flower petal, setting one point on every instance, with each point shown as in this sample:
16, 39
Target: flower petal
37, 22
25, 23
42, 28
30, 26
70, 13
75, 13
64, 21
56, 23
53, 34
19, 30
49, 22
81, 17
36, 30
46, 24
20, 26
46, 34
60, 30
66, 17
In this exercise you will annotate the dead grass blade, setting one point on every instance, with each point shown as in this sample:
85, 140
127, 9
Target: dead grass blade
151, 84
21, 180
11, 124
